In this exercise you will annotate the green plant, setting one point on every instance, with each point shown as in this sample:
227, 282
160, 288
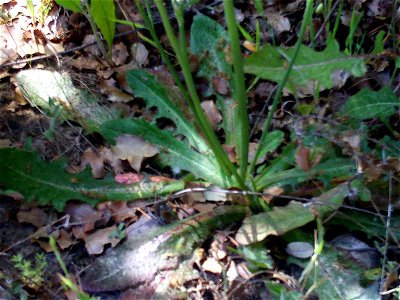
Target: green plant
66, 280
32, 273
203, 155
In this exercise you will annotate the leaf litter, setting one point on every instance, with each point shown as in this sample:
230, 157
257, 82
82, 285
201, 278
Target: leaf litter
99, 226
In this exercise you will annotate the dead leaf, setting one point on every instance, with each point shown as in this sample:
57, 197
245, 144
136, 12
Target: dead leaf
83, 214
278, 22
252, 153
84, 62
212, 113
134, 149
273, 191
212, 265
232, 274
230, 151
95, 242
95, 161
116, 164
65, 239
35, 216
94, 49
5, 143
303, 158
120, 211
108, 87
353, 139
220, 85
119, 53
139, 54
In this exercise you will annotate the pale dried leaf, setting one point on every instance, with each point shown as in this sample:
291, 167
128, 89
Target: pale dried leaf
95, 242
278, 22
134, 149
272, 191
212, 265
140, 54
353, 139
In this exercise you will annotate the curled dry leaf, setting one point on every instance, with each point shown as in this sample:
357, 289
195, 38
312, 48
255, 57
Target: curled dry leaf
95, 242
212, 113
134, 149
83, 62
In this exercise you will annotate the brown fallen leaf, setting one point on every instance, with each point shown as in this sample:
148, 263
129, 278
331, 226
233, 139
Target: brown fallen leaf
220, 85
35, 216
95, 242
303, 158
95, 161
84, 215
134, 149
65, 239
212, 113
119, 53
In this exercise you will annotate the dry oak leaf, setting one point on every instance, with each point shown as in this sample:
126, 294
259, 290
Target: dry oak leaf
96, 241
134, 149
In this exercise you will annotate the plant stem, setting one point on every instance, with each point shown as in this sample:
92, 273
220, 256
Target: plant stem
307, 15
150, 26
182, 56
239, 91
